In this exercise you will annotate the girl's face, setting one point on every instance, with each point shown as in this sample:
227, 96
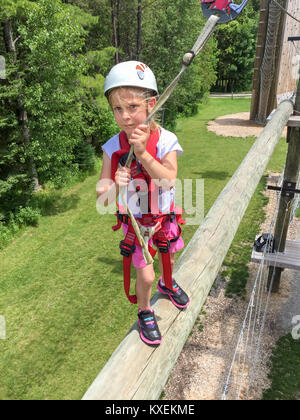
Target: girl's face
130, 109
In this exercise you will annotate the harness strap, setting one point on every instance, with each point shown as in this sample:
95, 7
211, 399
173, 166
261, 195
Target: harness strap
127, 247
163, 244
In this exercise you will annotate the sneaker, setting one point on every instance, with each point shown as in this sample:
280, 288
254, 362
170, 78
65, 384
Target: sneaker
178, 297
149, 331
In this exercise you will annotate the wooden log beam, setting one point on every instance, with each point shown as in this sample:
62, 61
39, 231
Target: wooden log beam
137, 371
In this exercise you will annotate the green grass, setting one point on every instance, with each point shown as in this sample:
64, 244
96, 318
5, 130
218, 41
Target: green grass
285, 370
61, 295
208, 156
61, 283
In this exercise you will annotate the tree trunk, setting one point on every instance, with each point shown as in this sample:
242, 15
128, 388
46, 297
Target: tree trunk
139, 30
8, 39
114, 18
10, 46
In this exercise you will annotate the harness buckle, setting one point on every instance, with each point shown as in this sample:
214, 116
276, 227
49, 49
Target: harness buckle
123, 217
172, 216
163, 246
126, 249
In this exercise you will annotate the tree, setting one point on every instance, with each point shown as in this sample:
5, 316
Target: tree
18, 176
170, 30
236, 45
41, 115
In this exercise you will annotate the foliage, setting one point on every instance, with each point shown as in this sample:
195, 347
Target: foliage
236, 50
99, 120
51, 42
45, 78
40, 112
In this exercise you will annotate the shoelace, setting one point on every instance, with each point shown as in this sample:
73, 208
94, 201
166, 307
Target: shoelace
175, 286
150, 322
178, 291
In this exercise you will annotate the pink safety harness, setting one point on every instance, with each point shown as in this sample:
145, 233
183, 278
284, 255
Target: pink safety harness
142, 182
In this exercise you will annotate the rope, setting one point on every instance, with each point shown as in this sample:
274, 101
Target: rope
285, 11
201, 41
265, 312
146, 253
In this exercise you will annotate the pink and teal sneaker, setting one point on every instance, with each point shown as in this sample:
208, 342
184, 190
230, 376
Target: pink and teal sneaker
149, 331
178, 297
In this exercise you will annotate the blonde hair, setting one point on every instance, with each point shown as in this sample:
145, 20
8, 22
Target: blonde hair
145, 94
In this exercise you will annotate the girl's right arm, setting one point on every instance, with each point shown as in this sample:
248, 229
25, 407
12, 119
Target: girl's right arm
106, 186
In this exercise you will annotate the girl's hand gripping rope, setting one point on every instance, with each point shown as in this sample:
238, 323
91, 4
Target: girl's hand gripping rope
139, 139
122, 177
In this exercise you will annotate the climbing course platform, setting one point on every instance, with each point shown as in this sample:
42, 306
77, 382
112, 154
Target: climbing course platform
290, 258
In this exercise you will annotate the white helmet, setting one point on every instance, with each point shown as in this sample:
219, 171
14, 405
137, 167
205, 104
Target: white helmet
130, 73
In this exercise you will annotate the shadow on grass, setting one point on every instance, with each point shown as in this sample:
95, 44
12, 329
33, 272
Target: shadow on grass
213, 174
115, 263
54, 202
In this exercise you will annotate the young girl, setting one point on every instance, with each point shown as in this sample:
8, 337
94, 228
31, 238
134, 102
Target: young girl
131, 90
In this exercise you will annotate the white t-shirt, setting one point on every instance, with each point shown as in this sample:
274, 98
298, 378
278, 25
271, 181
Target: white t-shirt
167, 142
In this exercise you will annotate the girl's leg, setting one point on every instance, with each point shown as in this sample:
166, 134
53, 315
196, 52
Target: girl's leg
172, 256
149, 331
144, 279
178, 296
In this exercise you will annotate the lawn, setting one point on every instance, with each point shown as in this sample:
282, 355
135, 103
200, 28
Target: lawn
285, 370
61, 283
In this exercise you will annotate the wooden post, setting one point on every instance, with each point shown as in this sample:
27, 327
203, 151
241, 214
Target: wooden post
267, 61
267, 71
138, 371
260, 47
278, 58
291, 174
